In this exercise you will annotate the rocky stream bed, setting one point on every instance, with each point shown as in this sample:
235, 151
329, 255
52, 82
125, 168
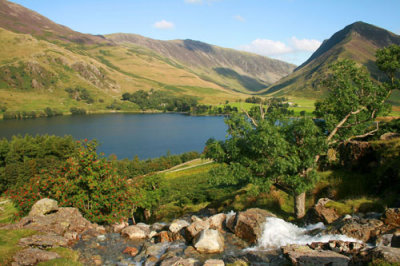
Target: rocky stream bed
252, 237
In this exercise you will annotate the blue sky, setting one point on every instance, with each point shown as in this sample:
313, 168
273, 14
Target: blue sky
285, 29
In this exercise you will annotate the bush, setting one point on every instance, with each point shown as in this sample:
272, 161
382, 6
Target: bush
84, 181
77, 111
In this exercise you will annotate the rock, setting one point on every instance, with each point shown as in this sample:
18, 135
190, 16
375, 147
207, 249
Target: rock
388, 254
362, 229
33, 256
209, 241
178, 225
214, 263
159, 227
131, 251
178, 261
144, 227
392, 217
118, 227
44, 241
326, 215
97, 260
249, 224
43, 207
389, 136
338, 246
134, 232
156, 250
194, 218
195, 228
101, 238
151, 261
163, 237
230, 221
304, 255
384, 240
216, 221
395, 241
152, 234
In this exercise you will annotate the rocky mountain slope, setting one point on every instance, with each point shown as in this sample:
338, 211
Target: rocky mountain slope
224, 66
358, 41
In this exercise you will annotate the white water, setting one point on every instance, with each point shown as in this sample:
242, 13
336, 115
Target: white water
278, 233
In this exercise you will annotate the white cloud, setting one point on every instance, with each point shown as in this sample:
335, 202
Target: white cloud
304, 44
164, 25
194, 1
239, 18
294, 50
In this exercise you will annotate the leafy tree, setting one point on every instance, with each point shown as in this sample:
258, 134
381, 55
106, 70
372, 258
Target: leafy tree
388, 60
353, 103
268, 150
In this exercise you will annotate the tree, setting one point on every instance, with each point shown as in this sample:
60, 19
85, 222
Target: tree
353, 103
388, 60
268, 150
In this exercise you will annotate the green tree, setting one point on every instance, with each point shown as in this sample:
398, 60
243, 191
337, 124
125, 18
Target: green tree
353, 103
268, 150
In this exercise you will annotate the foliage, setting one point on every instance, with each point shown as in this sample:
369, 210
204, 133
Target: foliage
7, 211
80, 94
22, 158
271, 150
388, 61
77, 111
353, 102
85, 181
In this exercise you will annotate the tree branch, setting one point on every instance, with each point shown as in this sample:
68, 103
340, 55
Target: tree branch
340, 124
262, 112
251, 118
372, 132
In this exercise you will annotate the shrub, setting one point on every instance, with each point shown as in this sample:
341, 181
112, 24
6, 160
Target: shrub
84, 181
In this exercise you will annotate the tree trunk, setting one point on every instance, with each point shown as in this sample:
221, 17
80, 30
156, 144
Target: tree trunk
300, 205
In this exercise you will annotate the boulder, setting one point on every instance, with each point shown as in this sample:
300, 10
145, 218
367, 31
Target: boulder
144, 227
195, 228
43, 207
388, 254
209, 241
230, 221
249, 224
395, 241
178, 261
324, 214
178, 225
44, 241
304, 255
118, 227
131, 251
384, 240
339, 246
392, 217
33, 256
214, 263
134, 232
355, 227
163, 237
159, 227
216, 221
156, 250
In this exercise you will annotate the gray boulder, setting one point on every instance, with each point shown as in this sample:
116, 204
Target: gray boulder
33, 256
43, 207
209, 241
134, 232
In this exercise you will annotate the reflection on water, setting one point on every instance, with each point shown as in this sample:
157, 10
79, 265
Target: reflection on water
127, 135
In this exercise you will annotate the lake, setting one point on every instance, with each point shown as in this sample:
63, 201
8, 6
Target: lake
127, 135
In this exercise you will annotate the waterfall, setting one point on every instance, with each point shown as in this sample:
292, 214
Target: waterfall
278, 233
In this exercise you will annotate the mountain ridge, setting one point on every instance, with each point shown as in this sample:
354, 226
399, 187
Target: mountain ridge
357, 41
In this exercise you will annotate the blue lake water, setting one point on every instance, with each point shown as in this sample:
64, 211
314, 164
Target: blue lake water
127, 135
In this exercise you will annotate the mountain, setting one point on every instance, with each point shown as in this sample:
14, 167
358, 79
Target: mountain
44, 64
229, 68
19, 19
358, 41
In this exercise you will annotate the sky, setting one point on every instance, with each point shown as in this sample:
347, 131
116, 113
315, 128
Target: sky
289, 30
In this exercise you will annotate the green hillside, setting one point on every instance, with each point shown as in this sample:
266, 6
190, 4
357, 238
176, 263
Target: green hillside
358, 41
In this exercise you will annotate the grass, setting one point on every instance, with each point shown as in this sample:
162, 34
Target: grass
7, 211
9, 243
69, 257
